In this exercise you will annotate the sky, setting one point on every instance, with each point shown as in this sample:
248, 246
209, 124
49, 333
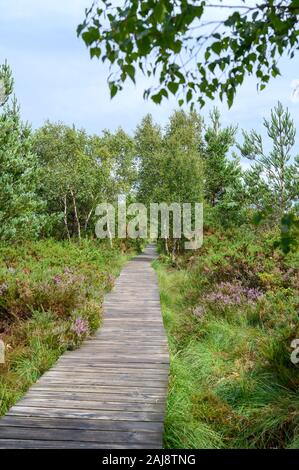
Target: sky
55, 78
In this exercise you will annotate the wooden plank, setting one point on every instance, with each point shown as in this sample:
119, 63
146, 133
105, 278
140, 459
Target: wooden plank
89, 424
89, 414
115, 368
89, 405
116, 437
152, 373
129, 391
97, 397
52, 444
107, 382
107, 373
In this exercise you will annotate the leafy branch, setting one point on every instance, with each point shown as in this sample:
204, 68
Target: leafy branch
167, 41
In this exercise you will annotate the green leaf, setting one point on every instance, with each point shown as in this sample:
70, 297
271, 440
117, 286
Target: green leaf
173, 87
91, 35
189, 95
207, 55
95, 52
130, 70
176, 47
275, 71
113, 89
159, 11
230, 97
80, 28
217, 47
157, 98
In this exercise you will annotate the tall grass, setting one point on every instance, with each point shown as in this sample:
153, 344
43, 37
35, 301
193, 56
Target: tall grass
232, 384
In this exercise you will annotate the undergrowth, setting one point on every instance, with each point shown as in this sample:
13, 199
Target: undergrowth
50, 300
231, 312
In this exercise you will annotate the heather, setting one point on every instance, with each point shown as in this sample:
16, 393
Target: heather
231, 313
51, 297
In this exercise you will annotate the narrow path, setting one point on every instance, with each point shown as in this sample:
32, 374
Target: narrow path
111, 392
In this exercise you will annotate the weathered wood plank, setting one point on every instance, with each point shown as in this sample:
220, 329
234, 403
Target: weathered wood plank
52, 444
88, 424
89, 405
80, 435
107, 382
97, 397
18, 410
130, 391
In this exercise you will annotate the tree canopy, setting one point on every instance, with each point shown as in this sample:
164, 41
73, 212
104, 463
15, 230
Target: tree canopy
276, 173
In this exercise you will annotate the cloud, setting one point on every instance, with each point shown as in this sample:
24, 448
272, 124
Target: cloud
42, 10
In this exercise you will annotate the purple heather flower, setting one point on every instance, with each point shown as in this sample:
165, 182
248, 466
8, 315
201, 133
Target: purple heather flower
253, 294
233, 294
57, 279
80, 327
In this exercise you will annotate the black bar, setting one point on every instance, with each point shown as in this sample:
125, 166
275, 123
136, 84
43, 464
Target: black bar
151, 458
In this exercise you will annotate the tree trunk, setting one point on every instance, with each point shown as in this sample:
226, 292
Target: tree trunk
65, 217
76, 215
173, 252
87, 219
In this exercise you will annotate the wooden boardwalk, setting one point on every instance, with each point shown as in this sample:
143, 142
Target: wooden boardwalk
111, 392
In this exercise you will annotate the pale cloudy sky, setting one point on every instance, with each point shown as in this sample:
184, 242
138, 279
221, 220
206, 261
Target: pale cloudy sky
55, 79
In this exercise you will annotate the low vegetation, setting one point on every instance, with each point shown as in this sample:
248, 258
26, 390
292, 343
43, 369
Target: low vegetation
50, 300
231, 312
